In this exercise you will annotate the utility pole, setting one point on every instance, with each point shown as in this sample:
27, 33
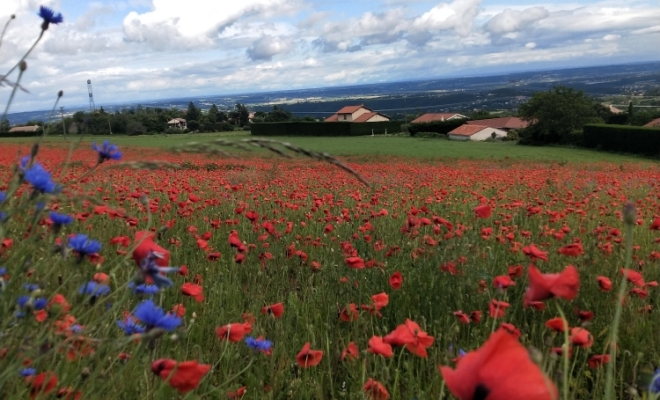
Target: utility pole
63, 125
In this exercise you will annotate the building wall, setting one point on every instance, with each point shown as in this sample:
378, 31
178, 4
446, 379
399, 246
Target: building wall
458, 137
486, 134
377, 118
359, 112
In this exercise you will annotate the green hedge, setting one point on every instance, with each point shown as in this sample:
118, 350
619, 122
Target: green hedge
442, 127
622, 138
305, 128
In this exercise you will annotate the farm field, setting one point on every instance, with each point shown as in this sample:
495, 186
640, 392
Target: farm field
358, 292
366, 147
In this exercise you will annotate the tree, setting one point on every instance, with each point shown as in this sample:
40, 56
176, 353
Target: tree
193, 125
556, 115
193, 112
240, 114
278, 115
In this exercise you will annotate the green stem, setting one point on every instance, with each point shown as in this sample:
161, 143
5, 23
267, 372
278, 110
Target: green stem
609, 385
24, 56
565, 353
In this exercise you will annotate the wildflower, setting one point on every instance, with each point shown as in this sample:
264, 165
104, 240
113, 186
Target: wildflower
375, 390
545, 286
183, 376
3, 197
144, 288
581, 337
40, 179
41, 384
151, 268
395, 281
309, 358
193, 290
412, 336
597, 360
497, 308
59, 220
534, 253
238, 393
130, 326
94, 289
378, 346
355, 262
557, 324
604, 283
262, 345
233, 332
49, 16
107, 151
154, 317
634, 277
351, 351
147, 246
349, 314
500, 369
27, 372
83, 246
275, 310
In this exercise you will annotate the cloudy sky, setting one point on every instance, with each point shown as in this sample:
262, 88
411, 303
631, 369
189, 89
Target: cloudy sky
136, 50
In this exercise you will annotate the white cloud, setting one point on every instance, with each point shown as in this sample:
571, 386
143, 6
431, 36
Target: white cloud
611, 38
268, 46
530, 45
514, 20
458, 16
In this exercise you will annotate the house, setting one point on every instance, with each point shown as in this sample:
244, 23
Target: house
653, 124
441, 117
475, 132
177, 123
358, 113
30, 128
505, 124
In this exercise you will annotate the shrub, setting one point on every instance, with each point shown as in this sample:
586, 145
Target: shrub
305, 128
431, 135
622, 138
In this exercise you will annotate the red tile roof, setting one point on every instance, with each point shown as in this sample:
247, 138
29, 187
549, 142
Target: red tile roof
365, 117
501, 123
30, 128
430, 117
332, 118
467, 130
351, 109
653, 124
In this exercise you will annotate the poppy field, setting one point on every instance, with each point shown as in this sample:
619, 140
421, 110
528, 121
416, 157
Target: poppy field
272, 278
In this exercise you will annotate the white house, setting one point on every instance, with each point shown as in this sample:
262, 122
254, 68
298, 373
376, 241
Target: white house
178, 123
358, 113
475, 133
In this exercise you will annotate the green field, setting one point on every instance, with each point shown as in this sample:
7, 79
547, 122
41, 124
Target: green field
367, 146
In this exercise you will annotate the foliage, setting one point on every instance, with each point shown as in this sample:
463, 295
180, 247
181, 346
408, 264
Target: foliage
623, 138
277, 115
556, 115
193, 125
441, 127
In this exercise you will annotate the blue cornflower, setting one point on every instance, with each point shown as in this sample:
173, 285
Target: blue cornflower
40, 303
155, 272
30, 287
3, 271
130, 326
40, 179
60, 220
154, 317
258, 344
76, 328
94, 289
144, 289
654, 386
3, 197
49, 17
23, 301
27, 372
107, 151
82, 245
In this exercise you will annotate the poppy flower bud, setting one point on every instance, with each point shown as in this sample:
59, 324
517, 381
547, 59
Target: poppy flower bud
60, 93
629, 213
22, 66
144, 200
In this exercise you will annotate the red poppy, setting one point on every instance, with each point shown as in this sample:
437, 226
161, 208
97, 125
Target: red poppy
598, 359
355, 262
497, 308
179, 310
349, 314
233, 332
309, 358
375, 390
557, 324
147, 245
634, 277
483, 211
412, 336
604, 283
58, 302
183, 376
396, 279
534, 253
581, 337
238, 393
379, 301
192, 290
572, 250
351, 351
275, 310
545, 286
378, 346
499, 370
475, 316
510, 329
462, 317
503, 281
41, 384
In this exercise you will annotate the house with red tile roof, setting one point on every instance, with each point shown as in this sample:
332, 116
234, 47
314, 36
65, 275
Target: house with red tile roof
503, 123
653, 124
358, 113
439, 117
475, 133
